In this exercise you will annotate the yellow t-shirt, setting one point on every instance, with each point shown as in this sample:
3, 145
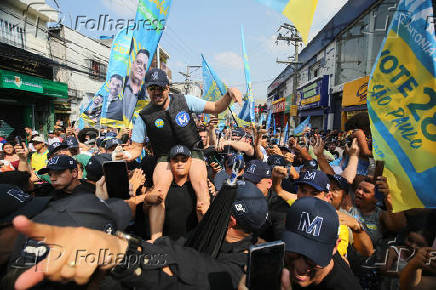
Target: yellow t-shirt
39, 160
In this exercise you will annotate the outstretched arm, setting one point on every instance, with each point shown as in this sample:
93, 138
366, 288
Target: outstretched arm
222, 104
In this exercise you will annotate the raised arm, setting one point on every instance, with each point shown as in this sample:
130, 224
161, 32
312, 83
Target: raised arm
222, 104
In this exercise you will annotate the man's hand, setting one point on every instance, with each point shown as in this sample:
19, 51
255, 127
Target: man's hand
354, 149
137, 179
100, 189
318, 148
212, 122
279, 173
289, 157
21, 151
67, 261
275, 150
423, 257
345, 219
294, 144
215, 167
236, 95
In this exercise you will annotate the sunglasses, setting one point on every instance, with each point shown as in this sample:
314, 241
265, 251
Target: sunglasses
156, 88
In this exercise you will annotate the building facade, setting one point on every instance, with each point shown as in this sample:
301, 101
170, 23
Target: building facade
333, 70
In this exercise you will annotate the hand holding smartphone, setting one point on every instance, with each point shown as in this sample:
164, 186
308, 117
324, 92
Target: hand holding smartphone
117, 179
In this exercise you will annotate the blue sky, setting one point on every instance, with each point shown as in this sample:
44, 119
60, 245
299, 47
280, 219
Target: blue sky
211, 27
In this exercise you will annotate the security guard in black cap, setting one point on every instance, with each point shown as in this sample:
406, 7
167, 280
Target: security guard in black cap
73, 204
163, 264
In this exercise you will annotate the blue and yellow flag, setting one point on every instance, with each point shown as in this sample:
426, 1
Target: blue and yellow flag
122, 96
402, 106
300, 12
286, 134
268, 120
247, 113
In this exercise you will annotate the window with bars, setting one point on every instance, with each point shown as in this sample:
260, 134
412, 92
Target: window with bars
97, 70
11, 34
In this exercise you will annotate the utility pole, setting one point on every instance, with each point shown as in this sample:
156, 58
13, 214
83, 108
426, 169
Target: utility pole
188, 75
292, 37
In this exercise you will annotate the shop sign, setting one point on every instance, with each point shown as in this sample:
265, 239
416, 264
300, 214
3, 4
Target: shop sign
354, 93
279, 107
293, 110
314, 94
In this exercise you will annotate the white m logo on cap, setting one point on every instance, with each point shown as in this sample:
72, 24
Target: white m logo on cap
310, 175
155, 75
312, 228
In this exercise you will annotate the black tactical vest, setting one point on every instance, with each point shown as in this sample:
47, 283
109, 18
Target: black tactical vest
175, 126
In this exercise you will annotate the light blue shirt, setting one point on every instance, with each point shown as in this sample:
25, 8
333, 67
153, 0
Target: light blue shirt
139, 132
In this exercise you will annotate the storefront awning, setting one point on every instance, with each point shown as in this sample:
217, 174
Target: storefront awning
317, 112
17, 81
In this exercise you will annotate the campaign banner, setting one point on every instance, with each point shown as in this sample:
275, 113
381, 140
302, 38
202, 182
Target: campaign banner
123, 95
402, 106
247, 113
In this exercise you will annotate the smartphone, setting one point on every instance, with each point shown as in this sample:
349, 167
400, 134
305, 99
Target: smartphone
265, 265
117, 179
379, 166
18, 140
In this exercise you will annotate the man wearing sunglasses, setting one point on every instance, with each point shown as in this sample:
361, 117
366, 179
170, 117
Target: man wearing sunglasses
311, 258
167, 122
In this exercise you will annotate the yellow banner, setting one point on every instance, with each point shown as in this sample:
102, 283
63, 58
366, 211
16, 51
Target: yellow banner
311, 100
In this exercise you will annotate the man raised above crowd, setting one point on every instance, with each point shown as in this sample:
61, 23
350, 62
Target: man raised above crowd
167, 121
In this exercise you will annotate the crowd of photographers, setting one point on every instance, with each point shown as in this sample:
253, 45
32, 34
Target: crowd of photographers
319, 192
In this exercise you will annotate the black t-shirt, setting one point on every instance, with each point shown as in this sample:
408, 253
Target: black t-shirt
148, 163
180, 211
340, 278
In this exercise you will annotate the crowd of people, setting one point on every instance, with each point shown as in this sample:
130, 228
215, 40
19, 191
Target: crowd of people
199, 197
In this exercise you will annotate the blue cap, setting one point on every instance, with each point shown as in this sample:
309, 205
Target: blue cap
276, 160
179, 150
340, 181
111, 135
311, 229
257, 170
112, 142
59, 162
55, 147
250, 208
315, 178
156, 77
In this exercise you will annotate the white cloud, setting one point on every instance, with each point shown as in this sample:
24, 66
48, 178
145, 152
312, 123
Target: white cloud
123, 8
228, 59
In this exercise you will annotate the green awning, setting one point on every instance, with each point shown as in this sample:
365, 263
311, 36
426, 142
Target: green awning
13, 80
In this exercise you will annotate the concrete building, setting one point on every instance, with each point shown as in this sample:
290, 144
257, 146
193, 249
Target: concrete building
334, 67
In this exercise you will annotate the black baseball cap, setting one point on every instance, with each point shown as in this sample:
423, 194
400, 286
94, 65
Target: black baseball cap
71, 142
156, 77
311, 229
310, 164
276, 160
250, 208
112, 142
179, 150
94, 168
55, 147
340, 181
315, 178
57, 163
16, 202
257, 170
239, 132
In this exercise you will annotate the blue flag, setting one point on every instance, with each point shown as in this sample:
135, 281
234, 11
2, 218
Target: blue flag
286, 134
268, 120
300, 128
247, 113
274, 126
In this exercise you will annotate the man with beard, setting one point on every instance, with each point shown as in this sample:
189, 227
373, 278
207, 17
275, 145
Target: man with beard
167, 122
132, 89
